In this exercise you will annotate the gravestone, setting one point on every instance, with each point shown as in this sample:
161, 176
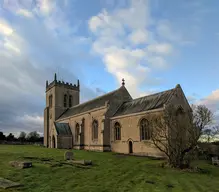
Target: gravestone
68, 155
215, 160
5, 183
20, 164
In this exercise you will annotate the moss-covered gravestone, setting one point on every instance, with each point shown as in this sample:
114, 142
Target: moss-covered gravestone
68, 155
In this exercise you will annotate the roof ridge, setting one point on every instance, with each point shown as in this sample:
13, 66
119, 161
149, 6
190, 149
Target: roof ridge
151, 95
145, 103
95, 98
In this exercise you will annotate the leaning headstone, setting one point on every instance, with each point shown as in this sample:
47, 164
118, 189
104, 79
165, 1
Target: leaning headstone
20, 164
68, 155
5, 183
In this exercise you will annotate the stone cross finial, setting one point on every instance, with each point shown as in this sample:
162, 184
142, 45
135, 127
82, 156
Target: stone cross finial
123, 82
178, 86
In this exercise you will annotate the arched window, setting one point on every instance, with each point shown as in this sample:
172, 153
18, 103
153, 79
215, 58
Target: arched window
145, 132
70, 101
117, 131
179, 111
77, 129
65, 100
50, 101
95, 129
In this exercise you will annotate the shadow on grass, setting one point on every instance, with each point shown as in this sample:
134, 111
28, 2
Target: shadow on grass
150, 182
121, 155
38, 158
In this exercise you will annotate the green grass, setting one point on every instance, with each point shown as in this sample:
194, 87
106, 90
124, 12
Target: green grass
109, 173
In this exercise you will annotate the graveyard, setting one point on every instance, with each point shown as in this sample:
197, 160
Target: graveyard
107, 172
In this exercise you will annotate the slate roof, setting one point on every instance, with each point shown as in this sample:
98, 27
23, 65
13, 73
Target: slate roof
62, 128
92, 104
145, 103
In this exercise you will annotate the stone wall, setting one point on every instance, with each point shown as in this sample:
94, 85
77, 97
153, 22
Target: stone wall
85, 121
64, 142
130, 129
130, 132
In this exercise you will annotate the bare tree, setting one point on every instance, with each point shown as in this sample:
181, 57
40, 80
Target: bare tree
176, 132
211, 133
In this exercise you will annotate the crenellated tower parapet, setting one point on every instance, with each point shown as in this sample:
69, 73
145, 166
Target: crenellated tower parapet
63, 84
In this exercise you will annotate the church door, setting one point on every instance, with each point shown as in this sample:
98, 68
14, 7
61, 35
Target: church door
53, 142
130, 147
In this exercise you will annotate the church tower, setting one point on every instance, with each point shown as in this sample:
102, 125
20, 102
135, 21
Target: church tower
59, 97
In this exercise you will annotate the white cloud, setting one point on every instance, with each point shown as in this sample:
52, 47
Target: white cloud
168, 32
138, 37
46, 7
32, 49
212, 102
157, 62
10, 46
95, 22
127, 44
24, 12
214, 95
162, 48
5, 28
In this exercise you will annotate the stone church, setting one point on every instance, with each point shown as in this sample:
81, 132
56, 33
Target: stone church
111, 122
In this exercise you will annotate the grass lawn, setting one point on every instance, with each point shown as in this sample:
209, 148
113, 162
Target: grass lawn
110, 172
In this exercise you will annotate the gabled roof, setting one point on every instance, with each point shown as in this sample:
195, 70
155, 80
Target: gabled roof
62, 128
145, 103
94, 103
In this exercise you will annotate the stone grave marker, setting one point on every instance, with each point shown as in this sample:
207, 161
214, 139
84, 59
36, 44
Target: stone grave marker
20, 164
5, 183
68, 155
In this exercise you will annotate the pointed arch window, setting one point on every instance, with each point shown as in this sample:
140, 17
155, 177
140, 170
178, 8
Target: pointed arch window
117, 131
95, 130
65, 100
50, 101
77, 129
70, 101
179, 111
145, 132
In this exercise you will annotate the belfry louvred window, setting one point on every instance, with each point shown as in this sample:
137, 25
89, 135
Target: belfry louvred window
70, 101
65, 100
50, 101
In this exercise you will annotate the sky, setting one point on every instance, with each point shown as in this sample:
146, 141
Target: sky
152, 44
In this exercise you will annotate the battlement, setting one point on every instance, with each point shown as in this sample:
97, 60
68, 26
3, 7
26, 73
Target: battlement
62, 84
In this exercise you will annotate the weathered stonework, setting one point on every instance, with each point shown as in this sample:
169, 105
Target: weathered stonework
130, 132
117, 106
